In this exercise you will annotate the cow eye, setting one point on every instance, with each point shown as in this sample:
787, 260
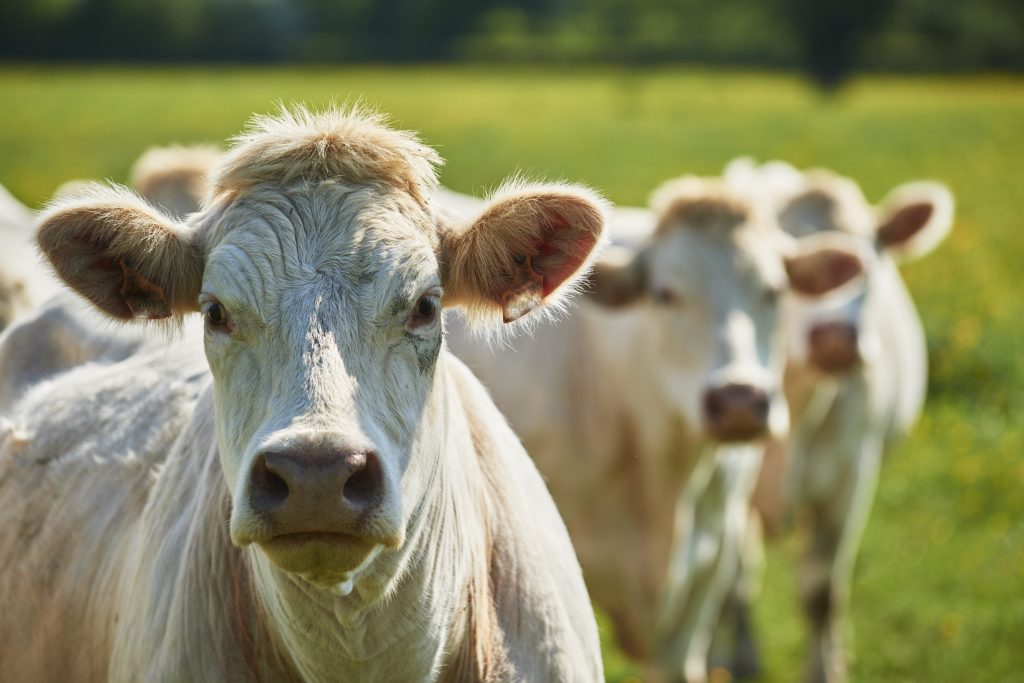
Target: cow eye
771, 295
664, 296
216, 317
424, 313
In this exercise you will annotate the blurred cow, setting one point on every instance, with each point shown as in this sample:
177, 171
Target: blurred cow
175, 177
24, 281
855, 378
328, 494
676, 347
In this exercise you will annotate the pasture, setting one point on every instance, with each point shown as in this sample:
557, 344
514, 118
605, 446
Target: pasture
939, 589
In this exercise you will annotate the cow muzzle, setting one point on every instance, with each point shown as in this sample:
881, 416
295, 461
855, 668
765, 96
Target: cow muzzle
833, 347
316, 506
736, 412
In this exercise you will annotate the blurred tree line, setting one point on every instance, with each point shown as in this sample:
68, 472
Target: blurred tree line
826, 38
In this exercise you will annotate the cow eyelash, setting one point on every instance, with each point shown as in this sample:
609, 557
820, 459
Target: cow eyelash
216, 316
772, 294
425, 311
664, 296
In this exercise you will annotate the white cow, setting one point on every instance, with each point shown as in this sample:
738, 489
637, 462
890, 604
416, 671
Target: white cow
24, 282
855, 378
676, 347
175, 177
328, 495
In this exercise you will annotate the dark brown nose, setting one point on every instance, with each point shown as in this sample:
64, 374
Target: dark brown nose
314, 488
736, 412
833, 347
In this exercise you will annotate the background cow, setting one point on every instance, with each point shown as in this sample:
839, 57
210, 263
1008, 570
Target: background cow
24, 282
855, 378
328, 495
675, 347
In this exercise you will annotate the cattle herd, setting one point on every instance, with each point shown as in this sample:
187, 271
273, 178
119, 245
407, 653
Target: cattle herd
345, 468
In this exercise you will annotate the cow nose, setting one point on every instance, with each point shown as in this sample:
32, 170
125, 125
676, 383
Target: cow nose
833, 346
314, 489
736, 412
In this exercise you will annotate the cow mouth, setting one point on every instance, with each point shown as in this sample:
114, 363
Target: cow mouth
742, 432
836, 363
322, 557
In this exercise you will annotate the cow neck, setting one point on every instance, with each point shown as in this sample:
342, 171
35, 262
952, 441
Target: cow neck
413, 605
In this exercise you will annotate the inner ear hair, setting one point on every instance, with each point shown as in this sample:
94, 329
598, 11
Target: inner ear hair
524, 251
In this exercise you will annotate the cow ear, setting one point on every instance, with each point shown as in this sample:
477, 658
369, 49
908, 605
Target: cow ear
618, 278
914, 218
121, 254
823, 263
525, 251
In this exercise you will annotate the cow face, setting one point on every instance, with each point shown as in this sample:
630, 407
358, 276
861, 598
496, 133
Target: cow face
838, 333
320, 271
711, 281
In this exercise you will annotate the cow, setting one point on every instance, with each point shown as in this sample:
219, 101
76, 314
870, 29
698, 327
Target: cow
305, 485
673, 358
856, 376
174, 177
24, 283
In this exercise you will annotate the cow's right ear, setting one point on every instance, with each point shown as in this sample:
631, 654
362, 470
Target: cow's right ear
826, 261
914, 218
121, 254
618, 278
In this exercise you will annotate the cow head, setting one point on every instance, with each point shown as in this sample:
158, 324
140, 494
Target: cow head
837, 333
321, 270
710, 280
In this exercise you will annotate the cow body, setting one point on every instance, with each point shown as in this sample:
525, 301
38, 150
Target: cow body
306, 486
855, 381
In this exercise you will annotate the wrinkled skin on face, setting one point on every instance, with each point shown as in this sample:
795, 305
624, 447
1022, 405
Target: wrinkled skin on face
316, 323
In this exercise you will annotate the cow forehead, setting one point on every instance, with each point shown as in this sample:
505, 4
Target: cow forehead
271, 241
744, 259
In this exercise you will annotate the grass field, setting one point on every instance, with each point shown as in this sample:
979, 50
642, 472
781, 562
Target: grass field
939, 592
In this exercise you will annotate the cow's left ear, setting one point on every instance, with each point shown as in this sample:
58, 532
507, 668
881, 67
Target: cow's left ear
526, 250
914, 218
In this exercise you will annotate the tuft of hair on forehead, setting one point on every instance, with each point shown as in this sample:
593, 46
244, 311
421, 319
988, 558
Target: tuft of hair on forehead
350, 143
706, 204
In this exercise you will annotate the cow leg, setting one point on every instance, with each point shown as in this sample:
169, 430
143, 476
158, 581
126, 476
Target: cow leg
827, 569
746, 660
702, 576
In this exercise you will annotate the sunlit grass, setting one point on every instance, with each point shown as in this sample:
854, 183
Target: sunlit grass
939, 593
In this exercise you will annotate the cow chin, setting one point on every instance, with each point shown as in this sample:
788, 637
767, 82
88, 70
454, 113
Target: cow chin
325, 559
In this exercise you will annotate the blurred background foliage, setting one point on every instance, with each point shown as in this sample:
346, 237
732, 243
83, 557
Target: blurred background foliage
827, 39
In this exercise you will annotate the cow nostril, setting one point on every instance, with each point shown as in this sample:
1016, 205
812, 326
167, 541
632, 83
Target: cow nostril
761, 405
269, 488
713, 405
363, 486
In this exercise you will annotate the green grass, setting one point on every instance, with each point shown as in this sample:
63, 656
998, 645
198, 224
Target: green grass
939, 593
